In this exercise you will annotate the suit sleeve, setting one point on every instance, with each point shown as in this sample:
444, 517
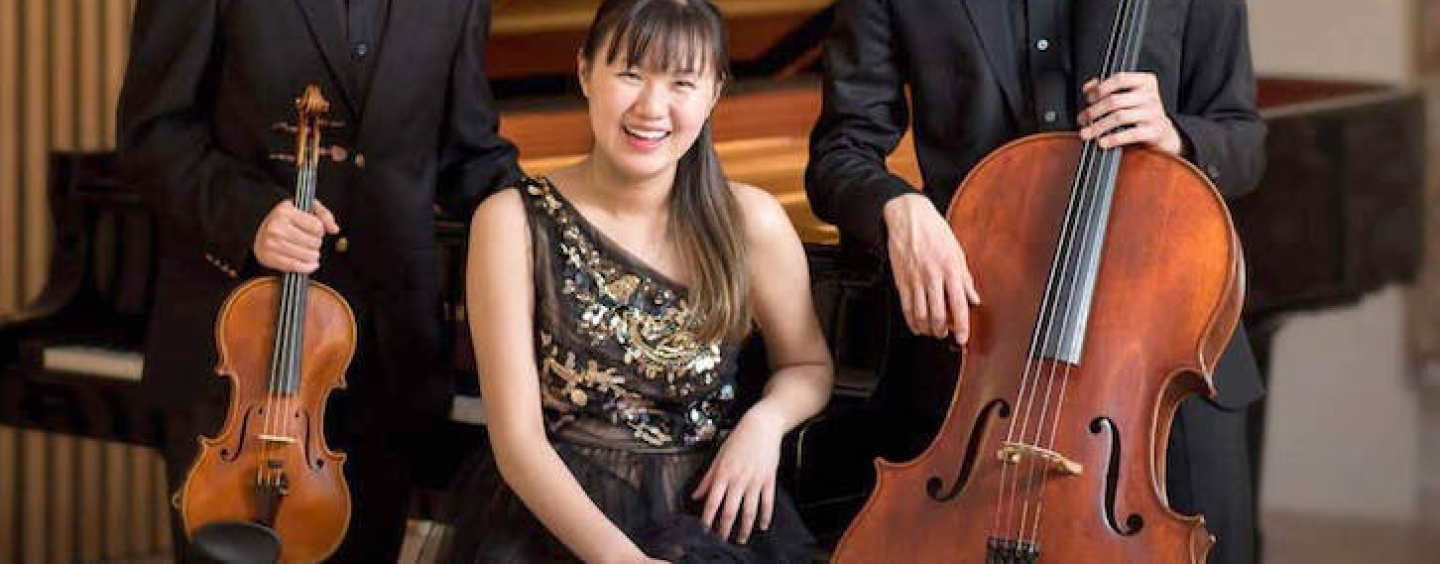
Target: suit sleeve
1216, 113
862, 120
165, 141
474, 160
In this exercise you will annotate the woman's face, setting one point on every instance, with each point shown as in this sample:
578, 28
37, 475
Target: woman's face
645, 120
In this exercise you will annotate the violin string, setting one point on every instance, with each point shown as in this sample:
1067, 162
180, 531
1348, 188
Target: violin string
299, 285
279, 397
1118, 59
277, 367
285, 343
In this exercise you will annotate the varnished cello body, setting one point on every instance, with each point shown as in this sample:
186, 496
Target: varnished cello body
1109, 291
284, 343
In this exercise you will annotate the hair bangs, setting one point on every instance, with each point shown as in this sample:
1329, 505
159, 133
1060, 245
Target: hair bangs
665, 36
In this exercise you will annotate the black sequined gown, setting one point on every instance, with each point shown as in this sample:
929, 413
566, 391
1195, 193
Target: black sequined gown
634, 403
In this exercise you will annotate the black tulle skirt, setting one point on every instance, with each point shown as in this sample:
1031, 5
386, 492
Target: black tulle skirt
645, 493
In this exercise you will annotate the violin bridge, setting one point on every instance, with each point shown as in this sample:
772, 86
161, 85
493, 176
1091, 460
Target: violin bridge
1013, 453
277, 439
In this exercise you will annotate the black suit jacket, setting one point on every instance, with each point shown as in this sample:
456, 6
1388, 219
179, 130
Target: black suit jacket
956, 59
208, 79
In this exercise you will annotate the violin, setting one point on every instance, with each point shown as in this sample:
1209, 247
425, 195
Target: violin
284, 343
1113, 281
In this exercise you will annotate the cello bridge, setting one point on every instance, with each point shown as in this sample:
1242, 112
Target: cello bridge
1013, 453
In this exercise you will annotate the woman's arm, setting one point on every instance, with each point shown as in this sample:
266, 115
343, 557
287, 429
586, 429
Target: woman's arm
500, 299
741, 482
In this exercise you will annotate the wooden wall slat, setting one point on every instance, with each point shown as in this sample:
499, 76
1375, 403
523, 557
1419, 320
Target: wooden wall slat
90, 519
32, 484
9, 482
90, 101
36, 138
60, 507
61, 71
162, 512
142, 506
117, 37
117, 488
114, 530
9, 156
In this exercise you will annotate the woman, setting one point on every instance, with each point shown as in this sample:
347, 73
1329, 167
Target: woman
607, 303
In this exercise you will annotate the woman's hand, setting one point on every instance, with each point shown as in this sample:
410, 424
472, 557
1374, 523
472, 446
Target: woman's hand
740, 484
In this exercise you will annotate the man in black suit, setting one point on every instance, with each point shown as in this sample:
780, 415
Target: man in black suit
980, 73
206, 83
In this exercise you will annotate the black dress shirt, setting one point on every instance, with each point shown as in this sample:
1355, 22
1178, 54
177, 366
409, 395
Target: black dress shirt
1050, 90
362, 25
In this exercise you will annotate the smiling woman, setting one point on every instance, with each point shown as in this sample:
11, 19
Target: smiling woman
616, 348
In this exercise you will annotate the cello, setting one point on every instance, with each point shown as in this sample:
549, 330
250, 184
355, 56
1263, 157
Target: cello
1113, 281
284, 342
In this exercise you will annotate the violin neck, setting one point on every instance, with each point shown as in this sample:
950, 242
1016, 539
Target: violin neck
290, 315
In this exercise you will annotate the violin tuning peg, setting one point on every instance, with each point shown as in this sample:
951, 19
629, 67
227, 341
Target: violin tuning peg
284, 157
331, 123
282, 127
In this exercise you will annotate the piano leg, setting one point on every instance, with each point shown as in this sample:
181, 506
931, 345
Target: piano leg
1262, 335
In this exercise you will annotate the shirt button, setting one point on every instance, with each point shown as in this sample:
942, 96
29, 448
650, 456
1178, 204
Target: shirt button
359, 159
1050, 116
1043, 44
361, 49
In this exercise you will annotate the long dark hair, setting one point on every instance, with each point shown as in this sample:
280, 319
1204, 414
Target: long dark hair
688, 35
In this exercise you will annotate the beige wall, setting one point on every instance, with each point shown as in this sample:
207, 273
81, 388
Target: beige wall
1343, 416
1344, 419
1350, 39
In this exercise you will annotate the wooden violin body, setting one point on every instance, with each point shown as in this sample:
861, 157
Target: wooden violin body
1167, 298
285, 343
227, 482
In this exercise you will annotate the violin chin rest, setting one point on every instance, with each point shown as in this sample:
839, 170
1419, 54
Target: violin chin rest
234, 542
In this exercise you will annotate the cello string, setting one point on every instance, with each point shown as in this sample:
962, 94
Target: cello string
1064, 251
1073, 230
1044, 319
1085, 184
1130, 35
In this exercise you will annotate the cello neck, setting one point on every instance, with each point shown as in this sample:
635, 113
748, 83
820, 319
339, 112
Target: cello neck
1060, 328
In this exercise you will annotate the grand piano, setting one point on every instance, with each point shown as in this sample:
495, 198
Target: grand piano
1337, 217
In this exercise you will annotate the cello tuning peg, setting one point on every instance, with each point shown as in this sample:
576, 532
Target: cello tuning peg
282, 127
283, 157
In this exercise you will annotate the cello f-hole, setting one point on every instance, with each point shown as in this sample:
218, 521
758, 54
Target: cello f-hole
977, 435
1133, 522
